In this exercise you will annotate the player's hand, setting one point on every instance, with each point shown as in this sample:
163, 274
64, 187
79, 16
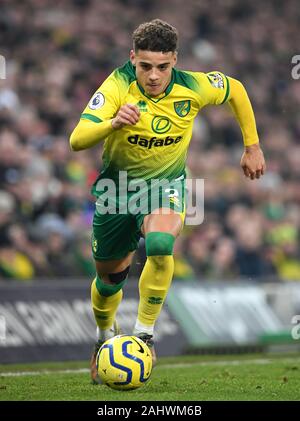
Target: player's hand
128, 114
253, 162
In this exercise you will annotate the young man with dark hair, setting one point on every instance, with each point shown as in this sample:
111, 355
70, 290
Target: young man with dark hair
144, 112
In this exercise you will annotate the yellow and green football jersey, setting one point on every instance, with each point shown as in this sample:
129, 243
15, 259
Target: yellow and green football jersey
156, 147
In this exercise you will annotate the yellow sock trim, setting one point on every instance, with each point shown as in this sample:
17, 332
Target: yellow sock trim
154, 284
104, 308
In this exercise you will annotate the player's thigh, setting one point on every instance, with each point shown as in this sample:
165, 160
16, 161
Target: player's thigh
169, 215
161, 222
114, 240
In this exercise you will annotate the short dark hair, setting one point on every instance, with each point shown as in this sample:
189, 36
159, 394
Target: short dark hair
156, 35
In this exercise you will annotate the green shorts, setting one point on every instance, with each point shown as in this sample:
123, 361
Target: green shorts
119, 214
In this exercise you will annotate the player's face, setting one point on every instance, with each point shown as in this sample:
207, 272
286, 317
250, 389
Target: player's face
153, 69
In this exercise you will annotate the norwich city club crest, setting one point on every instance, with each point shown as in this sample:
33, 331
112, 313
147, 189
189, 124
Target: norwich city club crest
182, 108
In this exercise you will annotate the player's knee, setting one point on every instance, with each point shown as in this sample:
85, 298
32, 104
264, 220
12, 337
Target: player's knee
159, 244
117, 278
110, 284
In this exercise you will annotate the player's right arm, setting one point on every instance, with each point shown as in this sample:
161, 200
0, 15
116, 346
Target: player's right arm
103, 114
88, 133
128, 114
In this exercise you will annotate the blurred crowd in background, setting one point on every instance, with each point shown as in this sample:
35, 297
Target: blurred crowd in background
58, 53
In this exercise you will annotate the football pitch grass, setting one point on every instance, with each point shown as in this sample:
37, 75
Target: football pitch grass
185, 378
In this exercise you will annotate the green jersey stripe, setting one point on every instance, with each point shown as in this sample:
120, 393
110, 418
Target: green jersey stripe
91, 117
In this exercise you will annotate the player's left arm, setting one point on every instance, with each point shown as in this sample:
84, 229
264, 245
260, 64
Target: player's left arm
217, 89
252, 161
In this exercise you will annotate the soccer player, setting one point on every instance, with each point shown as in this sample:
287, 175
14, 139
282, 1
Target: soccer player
144, 112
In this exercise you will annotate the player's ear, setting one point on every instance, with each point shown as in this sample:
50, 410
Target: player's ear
174, 58
132, 57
